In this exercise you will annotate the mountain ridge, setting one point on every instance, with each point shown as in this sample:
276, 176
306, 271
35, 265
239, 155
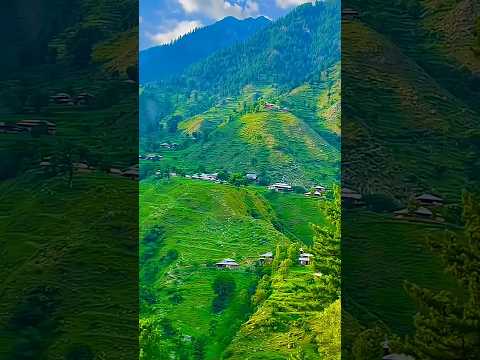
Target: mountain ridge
163, 61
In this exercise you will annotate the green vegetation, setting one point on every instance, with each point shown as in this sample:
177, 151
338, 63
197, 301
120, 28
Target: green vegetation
204, 223
409, 110
69, 234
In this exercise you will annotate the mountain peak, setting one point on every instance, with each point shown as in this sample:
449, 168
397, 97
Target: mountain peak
166, 60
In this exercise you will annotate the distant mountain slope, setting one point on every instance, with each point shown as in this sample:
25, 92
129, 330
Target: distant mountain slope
407, 100
163, 61
295, 144
303, 43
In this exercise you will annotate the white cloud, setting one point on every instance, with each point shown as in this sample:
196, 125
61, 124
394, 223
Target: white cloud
218, 9
285, 4
179, 29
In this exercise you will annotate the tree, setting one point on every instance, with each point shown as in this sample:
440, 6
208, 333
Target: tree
237, 179
80, 45
326, 246
448, 322
199, 348
224, 287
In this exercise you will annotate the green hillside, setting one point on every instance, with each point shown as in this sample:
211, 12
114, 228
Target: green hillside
299, 144
50, 236
186, 227
219, 118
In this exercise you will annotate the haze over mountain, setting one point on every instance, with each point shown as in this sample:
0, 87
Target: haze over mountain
170, 59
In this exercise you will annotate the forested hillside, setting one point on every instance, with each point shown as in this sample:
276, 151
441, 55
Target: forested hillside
216, 115
296, 47
168, 60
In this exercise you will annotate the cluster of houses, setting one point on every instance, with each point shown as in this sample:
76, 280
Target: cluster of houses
132, 172
203, 176
424, 209
150, 157
66, 99
304, 259
27, 126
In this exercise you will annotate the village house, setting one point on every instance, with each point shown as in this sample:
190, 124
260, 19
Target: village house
203, 176
227, 264
115, 172
349, 14
429, 200
423, 212
61, 98
153, 157
84, 99
9, 128
30, 124
350, 197
280, 187
251, 176
82, 167
270, 106
266, 258
132, 172
168, 146
304, 258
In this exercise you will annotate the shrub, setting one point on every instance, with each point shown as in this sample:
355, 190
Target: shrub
224, 287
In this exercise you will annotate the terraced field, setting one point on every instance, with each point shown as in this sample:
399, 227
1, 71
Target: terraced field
297, 146
53, 256
203, 223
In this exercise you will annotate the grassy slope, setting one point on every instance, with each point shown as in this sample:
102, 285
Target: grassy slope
283, 325
58, 237
298, 146
413, 107
400, 256
207, 222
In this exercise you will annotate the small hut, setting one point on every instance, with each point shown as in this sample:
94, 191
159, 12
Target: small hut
266, 258
429, 200
227, 264
304, 258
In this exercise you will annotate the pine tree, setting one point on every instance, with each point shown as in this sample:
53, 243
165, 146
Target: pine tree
448, 322
326, 246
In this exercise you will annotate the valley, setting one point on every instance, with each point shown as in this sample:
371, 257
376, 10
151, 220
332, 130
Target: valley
231, 262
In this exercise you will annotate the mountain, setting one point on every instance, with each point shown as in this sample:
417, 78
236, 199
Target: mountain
167, 60
221, 119
294, 49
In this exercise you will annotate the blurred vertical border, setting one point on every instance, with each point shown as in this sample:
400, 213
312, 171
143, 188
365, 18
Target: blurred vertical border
410, 172
68, 179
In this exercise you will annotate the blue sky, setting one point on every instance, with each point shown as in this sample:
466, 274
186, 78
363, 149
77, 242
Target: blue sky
164, 20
